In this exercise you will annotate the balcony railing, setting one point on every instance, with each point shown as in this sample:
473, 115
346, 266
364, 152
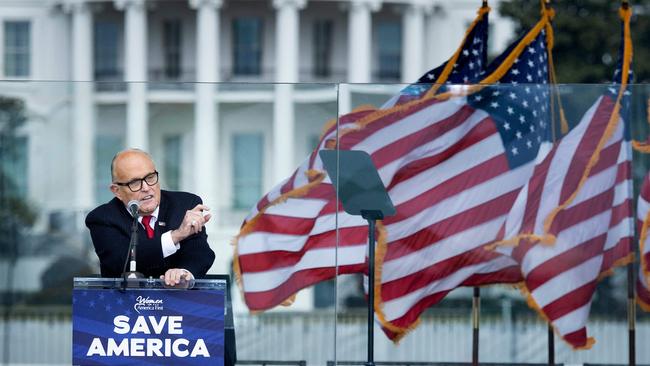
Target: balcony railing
184, 79
171, 79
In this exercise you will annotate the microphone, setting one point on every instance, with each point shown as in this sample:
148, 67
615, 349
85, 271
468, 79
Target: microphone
133, 206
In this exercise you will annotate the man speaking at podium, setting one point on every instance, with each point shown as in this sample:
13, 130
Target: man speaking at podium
172, 242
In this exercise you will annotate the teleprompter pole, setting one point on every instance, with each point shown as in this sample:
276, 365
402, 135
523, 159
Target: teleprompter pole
371, 217
476, 311
551, 346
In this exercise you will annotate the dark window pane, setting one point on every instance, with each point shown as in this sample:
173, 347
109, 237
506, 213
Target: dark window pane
14, 166
172, 35
247, 175
172, 164
106, 50
389, 43
17, 57
322, 47
247, 45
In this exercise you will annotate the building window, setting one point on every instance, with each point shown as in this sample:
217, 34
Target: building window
172, 35
17, 60
14, 167
247, 169
247, 46
172, 162
389, 45
325, 294
106, 147
322, 47
106, 50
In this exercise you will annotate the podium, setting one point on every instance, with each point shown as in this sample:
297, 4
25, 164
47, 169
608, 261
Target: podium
147, 323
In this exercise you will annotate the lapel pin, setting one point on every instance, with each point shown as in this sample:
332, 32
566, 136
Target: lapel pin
161, 223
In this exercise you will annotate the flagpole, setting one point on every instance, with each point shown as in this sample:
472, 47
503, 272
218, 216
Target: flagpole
551, 345
631, 313
476, 309
476, 299
631, 304
371, 216
371, 287
550, 335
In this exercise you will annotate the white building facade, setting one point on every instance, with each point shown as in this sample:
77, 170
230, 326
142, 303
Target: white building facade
237, 132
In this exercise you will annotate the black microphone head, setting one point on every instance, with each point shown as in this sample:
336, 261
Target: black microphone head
133, 206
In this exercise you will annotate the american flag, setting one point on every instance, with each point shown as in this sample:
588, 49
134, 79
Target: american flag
288, 241
573, 223
643, 223
455, 187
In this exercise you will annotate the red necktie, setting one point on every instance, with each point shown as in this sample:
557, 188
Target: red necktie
145, 221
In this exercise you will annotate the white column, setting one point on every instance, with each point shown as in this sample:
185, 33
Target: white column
360, 38
83, 125
283, 132
286, 61
135, 64
286, 55
413, 41
205, 109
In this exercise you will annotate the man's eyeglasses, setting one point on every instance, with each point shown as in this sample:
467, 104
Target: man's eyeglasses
136, 184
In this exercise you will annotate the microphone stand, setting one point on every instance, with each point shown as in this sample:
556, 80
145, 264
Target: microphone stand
132, 273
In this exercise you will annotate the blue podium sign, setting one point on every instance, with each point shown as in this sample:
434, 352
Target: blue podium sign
148, 327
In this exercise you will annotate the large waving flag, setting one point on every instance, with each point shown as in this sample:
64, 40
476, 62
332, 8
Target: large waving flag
454, 193
572, 223
643, 223
289, 240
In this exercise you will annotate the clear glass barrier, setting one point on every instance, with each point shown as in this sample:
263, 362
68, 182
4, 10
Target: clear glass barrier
254, 161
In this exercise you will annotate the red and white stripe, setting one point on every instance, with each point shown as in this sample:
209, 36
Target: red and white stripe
593, 233
643, 223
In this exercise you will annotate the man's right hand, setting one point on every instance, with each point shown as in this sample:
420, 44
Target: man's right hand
193, 223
